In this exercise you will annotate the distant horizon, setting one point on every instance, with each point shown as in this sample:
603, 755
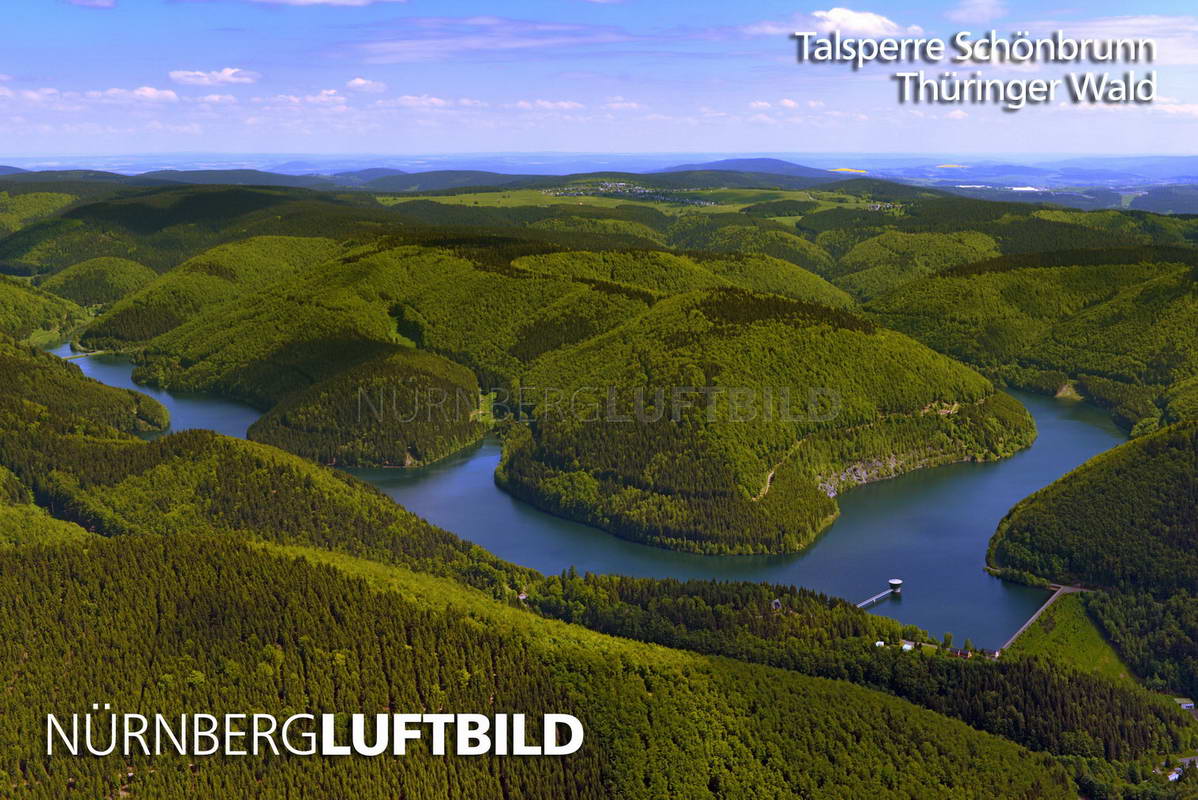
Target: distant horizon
528, 162
613, 153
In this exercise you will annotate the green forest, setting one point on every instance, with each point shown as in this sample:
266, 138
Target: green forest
280, 322
1136, 544
705, 380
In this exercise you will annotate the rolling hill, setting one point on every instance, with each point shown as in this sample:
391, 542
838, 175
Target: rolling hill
181, 520
1113, 323
30, 313
315, 636
294, 324
1123, 522
296, 300
1125, 519
99, 281
730, 434
238, 177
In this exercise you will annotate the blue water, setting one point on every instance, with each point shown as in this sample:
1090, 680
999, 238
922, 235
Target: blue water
188, 410
929, 527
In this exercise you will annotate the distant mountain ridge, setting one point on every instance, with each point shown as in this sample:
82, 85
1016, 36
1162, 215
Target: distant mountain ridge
768, 166
1164, 184
240, 177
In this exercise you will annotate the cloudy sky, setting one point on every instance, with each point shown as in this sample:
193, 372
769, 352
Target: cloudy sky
441, 76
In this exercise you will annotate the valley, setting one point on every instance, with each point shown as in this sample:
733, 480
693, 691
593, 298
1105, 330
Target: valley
636, 547
930, 526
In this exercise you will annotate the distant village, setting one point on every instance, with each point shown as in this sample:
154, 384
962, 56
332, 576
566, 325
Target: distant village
630, 191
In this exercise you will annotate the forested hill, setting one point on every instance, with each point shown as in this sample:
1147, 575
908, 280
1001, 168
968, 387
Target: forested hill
233, 629
1140, 532
1124, 522
161, 227
1112, 324
1164, 188
290, 299
200, 483
38, 385
273, 320
879, 320
718, 477
27, 313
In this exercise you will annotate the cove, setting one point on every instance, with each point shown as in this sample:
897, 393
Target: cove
929, 527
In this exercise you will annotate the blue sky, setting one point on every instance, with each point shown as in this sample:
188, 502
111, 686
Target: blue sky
425, 76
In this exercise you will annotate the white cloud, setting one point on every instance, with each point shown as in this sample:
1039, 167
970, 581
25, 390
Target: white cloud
549, 105
815, 103
864, 24
786, 102
365, 85
215, 77
619, 103
470, 102
758, 105
957, 114
1178, 109
141, 94
860, 23
93, 3
417, 101
324, 97
970, 11
4, 78
324, 100
217, 99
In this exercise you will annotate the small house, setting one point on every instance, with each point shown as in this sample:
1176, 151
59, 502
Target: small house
1185, 703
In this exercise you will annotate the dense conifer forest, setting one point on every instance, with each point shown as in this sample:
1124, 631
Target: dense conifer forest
878, 323
403, 410
1137, 544
199, 484
192, 622
264, 318
99, 281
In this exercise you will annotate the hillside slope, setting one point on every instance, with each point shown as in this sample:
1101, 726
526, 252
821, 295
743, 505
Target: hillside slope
317, 640
27, 312
1124, 519
1117, 323
717, 423
99, 281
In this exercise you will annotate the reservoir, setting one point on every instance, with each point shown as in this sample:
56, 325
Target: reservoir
929, 527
